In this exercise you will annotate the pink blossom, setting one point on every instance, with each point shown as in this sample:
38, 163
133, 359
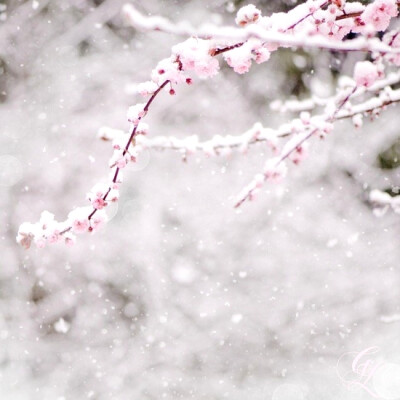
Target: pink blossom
135, 113
168, 69
121, 162
99, 203
194, 55
78, 219
80, 225
54, 236
239, 59
25, 240
142, 129
114, 194
96, 196
365, 73
98, 190
298, 154
27, 233
147, 88
70, 239
207, 69
40, 242
339, 3
247, 15
262, 55
259, 180
272, 47
341, 29
98, 221
333, 10
274, 170
119, 142
243, 67
357, 120
379, 13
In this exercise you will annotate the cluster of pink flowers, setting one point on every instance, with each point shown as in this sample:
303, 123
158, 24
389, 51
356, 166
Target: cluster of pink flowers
98, 192
365, 73
50, 231
379, 13
136, 113
241, 57
309, 18
120, 157
314, 17
326, 18
274, 171
194, 55
247, 15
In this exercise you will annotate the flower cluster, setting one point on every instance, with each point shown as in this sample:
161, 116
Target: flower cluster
241, 57
379, 13
50, 231
365, 73
247, 15
194, 55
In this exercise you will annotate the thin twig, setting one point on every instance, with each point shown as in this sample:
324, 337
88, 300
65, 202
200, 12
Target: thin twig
128, 143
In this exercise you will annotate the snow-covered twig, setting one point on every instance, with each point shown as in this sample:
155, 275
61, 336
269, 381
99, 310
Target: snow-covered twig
218, 145
315, 101
221, 145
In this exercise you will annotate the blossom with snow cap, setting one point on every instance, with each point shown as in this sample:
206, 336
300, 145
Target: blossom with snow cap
247, 15
194, 55
379, 13
365, 73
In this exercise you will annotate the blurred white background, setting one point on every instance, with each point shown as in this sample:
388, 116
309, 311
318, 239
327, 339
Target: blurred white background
181, 296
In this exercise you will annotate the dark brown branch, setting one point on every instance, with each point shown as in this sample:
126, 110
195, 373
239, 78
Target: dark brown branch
350, 15
131, 137
215, 52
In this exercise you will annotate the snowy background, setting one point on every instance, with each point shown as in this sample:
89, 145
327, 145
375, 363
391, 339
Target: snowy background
181, 296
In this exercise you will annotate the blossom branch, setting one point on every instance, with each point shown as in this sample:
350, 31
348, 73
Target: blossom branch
274, 169
311, 24
130, 140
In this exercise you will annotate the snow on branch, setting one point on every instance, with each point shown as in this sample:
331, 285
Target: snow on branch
218, 145
223, 145
315, 101
325, 30
315, 23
